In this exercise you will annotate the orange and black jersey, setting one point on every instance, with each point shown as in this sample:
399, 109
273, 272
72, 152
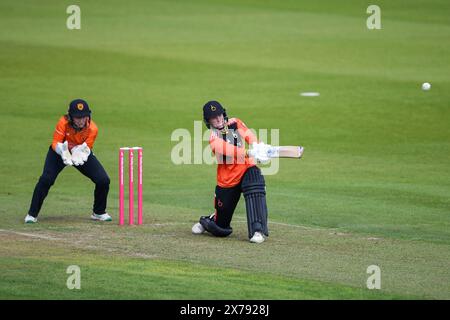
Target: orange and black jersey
229, 147
65, 132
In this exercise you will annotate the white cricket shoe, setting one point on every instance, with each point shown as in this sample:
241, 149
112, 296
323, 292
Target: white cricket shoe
101, 217
197, 228
257, 238
30, 219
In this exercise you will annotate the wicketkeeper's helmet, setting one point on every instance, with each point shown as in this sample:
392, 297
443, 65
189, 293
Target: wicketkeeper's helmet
78, 108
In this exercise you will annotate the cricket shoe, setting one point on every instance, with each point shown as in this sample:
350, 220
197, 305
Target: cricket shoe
198, 228
30, 219
257, 238
101, 217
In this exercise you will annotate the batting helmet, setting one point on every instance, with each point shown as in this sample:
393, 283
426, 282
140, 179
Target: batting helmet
213, 109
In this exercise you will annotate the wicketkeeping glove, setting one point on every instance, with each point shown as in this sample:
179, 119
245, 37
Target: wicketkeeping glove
63, 150
76, 159
85, 151
80, 154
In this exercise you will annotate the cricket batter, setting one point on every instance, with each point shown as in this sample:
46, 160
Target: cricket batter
73, 140
236, 173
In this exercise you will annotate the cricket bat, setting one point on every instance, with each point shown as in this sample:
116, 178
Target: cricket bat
288, 152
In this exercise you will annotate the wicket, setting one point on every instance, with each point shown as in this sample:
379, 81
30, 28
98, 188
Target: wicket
130, 185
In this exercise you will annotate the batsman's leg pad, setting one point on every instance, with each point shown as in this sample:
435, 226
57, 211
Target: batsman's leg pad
211, 226
254, 189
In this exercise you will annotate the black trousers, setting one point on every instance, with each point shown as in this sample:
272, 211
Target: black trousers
92, 169
226, 200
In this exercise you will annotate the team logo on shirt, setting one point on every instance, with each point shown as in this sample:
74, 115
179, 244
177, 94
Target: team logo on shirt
80, 106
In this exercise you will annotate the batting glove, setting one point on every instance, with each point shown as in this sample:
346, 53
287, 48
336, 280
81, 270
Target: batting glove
254, 150
263, 148
273, 152
262, 158
260, 151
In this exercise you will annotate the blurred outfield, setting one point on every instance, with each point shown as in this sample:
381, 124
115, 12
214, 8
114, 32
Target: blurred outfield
373, 187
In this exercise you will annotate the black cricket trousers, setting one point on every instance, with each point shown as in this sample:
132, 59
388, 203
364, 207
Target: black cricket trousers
226, 200
92, 169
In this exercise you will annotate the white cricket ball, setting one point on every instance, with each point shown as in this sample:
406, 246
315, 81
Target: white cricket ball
426, 86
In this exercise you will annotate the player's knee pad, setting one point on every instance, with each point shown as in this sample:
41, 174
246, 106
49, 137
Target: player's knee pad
211, 226
254, 189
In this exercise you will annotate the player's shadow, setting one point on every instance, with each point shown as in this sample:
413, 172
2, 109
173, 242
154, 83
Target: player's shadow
57, 219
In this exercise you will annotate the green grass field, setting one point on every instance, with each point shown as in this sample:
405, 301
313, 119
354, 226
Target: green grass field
373, 187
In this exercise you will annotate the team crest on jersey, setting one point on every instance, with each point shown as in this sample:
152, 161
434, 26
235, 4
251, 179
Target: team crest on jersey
80, 106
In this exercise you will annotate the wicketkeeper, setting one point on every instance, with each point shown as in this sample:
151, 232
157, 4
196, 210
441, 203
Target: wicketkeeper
236, 173
73, 140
